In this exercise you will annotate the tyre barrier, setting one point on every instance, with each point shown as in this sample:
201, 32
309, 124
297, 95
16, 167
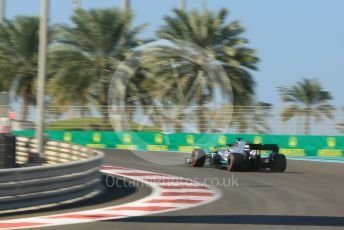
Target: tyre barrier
70, 173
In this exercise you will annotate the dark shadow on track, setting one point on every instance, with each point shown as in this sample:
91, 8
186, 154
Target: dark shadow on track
122, 189
241, 219
262, 171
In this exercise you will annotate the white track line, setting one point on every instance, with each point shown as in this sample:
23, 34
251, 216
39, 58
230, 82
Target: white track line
169, 193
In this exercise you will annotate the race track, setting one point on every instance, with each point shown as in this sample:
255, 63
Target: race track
309, 195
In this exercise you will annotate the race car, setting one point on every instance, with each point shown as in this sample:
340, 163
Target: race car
240, 156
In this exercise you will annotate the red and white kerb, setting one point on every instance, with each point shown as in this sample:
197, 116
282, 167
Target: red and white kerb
169, 193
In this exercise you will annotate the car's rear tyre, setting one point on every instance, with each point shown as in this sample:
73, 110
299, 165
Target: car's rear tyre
198, 158
278, 163
235, 162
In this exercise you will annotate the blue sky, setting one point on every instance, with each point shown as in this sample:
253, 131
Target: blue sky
294, 38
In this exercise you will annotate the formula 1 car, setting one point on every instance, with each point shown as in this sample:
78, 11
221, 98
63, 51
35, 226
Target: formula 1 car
240, 156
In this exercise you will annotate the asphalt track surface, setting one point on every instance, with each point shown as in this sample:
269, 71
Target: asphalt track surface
309, 195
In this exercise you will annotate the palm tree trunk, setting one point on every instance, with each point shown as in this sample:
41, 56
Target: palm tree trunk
125, 5
182, 5
131, 113
201, 100
240, 118
2, 11
25, 105
242, 127
161, 122
306, 130
105, 118
201, 117
25, 110
179, 121
103, 108
77, 4
83, 111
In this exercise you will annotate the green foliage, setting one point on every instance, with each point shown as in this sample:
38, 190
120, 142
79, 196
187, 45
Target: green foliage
84, 56
219, 39
18, 58
222, 40
87, 54
308, 99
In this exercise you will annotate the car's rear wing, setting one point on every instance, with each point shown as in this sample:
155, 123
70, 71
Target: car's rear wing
271, 147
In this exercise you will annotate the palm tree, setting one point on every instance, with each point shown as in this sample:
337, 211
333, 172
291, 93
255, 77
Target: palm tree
90, 51
220, 40
67, 92
18, 57
308, 99
165, 91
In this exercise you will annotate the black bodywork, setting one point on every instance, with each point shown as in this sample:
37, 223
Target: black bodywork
250, 159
